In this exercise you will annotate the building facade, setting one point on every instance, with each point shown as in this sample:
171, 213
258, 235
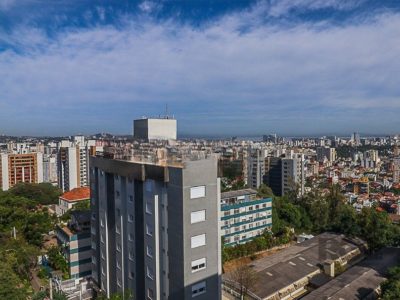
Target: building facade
293, 174
326, 153
17, 168
73, 164
155, 228
67, 200
75, 242
256, 168
155, 129
244, 216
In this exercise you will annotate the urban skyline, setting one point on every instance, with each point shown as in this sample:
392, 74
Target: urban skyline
224, 68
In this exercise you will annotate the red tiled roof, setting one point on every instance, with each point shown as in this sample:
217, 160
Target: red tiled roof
77, 194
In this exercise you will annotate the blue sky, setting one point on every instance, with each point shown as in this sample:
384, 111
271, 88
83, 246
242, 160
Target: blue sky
294, 67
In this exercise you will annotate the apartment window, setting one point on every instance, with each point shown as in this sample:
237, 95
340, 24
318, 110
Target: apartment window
198, 289
130, 218
131, 275
198, 240
227, 213
149, 251
150, 294
101, 222
118, 212
197, 216
149, 230
117, 230
93, 216
236, 211
198, 265
149, 186
102, 271
150, 273
101, 238
118, 265
93, 245
93, 260
118, 247
197, 192
117, 193
130, 255
130, 237
149, 208
130, 198
102, 255
119, 282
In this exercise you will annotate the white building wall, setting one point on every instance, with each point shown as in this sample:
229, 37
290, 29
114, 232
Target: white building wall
4, 171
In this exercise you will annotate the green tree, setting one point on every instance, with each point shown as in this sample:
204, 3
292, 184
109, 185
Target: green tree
11, 286
376, 228
391, 286
57, 260
264, 191
41, 193
345, 221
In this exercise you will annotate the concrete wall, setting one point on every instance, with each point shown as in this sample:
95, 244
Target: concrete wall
155, 129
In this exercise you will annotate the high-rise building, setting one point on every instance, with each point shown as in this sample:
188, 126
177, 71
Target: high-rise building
355, 139
50, 168
286, 174
73, 163
149, 129
326, 152
17, 168
155, 228
273, 175
396, 169
256, 168
244, 216
293, 174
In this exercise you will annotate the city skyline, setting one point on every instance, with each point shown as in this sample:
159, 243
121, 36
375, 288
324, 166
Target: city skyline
244, 69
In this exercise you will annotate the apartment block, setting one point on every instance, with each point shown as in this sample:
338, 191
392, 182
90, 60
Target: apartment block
256, 168
73, 164
75, 242
244, 216
326, 153
155, 228
293, 174
17, 168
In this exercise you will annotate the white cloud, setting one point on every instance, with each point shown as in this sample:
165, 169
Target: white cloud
270, 71
282, 7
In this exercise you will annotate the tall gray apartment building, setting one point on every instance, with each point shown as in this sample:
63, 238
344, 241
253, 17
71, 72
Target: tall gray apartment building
155, 228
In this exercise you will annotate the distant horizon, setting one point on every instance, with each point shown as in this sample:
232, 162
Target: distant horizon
188, 136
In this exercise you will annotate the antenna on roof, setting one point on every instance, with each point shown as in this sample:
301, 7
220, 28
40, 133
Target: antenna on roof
166, 110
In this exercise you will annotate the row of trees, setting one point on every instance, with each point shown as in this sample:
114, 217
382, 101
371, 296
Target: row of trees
266, 241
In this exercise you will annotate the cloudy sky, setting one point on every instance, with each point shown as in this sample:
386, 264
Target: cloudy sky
294, 67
